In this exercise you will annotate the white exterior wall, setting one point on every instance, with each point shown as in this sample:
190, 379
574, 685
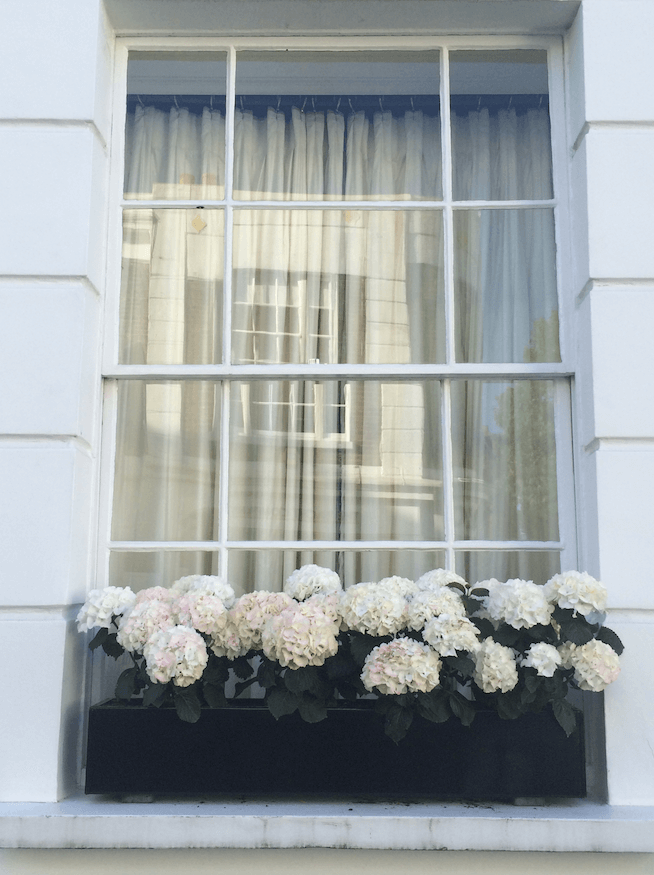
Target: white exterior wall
55, 63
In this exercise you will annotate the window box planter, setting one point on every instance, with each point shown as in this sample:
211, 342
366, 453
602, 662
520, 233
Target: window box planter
242, 750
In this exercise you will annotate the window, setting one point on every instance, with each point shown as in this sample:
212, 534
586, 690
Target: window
339, 335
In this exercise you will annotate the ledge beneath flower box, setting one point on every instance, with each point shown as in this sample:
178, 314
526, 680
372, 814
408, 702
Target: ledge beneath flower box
241, 750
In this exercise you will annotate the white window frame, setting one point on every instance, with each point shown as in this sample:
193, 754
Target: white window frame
561, 373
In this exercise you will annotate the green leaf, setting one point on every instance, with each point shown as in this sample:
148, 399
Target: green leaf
281, 702
454, 585
242, 667
565, 715
266, 675
577, 631
214, 695
242, 686
217, 670
361, 645
348, 691
311, 710
187, 704
434, 707
154, 694
99, 638
609, 637
111, 647
340, 666
486, 628
463, 664
126, 684
462, 708
508, 706
301, 680
479, 593
506, 635
397, 722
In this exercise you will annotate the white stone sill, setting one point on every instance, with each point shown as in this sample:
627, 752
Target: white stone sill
100, 822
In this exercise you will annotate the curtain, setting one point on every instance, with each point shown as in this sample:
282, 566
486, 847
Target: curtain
334, 459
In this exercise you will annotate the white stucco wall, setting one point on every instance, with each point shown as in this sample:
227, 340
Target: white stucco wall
55, 66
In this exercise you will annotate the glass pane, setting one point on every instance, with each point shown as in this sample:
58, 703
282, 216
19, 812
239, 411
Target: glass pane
506, 304
160, 568
172, 287
268, 569
338, 286
175, 127
507, 565
166, 480
328, 125
500, 125
504, 456
335, 460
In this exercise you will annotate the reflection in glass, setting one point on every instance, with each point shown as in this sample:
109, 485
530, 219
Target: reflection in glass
158, 568
500, 125
166, 480
503, 565
327, 125
268, 569
504, 457
172, 287
335, 460
175, 126
506, 302
338, 286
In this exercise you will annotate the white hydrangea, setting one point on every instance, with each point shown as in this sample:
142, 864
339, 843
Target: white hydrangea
438, 578
429, 603
449, 633
374, 609
201, 610
329, 603
242, 630
401, 585
300, 635
142, 620
208, 583
520, 603
596, 665
312, 580
178, 654
103, 604
576, 591
401, 666
495, 667
545, 658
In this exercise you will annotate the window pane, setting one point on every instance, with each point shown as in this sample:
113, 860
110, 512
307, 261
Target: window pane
158, 568
329, 125
338, 286
172, 287
268, 569
500, 125
175, 126
507, 565
166, 481
504, 456
335, 460
506, 301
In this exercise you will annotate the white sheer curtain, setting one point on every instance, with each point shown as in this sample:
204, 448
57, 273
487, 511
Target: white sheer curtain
329, 459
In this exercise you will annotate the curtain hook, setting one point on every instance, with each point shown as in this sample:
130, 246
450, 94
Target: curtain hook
381, 104
338, 104
175, 99
349, 100
279, 101
138, 97
412, 106
313, 103
211, 102
540, 102
304, 104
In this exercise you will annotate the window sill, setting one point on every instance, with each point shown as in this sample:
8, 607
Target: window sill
99, 822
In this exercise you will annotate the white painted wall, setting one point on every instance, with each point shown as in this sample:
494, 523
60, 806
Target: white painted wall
55, 65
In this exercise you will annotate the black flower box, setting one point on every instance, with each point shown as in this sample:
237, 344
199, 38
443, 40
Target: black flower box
241, 750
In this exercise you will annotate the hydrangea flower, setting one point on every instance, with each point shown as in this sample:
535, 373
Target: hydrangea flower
545, 658
438, 578
374, 609
242, 630
141, 621
596, 665
201, 610
576, 591
207, 583
178, 654
429, 603
400, 666
312, 580
102, 605
451, 633
520, 603
302, 634
495, 667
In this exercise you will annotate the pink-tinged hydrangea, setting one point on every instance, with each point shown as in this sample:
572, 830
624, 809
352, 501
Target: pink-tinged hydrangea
312, 580
202, 611
154, 594
302, 634
374, 609
243, 627
545, 658
439, 577
143, 620
450, 634
596, 665
576, 591
401, 666
178, 654
329, 603
207, 583
102, 605
495, 667
520, 603
430, 603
